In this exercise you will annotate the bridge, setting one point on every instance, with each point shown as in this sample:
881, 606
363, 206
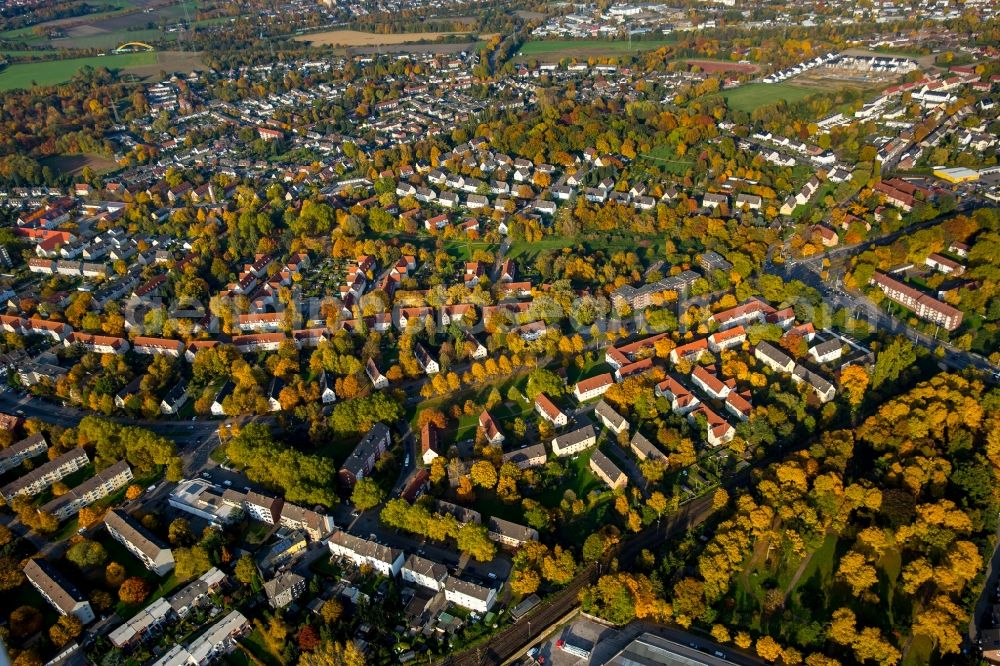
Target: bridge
129, 47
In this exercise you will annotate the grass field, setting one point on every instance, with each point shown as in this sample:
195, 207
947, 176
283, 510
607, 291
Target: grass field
666, 159
557, 49
57, 71
74, 164
350, 38
750, 97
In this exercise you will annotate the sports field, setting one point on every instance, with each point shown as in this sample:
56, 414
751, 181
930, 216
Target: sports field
749, 97
57, 71
557, 49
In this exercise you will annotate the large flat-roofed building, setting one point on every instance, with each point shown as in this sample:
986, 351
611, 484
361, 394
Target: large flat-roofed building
651, 650
205, 500
45, 475
152, 552
96, 487
58, 591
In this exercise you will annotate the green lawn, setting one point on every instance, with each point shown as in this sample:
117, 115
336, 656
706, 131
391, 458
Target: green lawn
577, 478
644, 246
557, 49
57, 71
666, 159
463, 250
255, 645
491, 506
750, 97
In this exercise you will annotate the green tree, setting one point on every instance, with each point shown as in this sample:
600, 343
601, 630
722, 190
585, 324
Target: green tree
86, 554
894, 359
367, 494
246, 572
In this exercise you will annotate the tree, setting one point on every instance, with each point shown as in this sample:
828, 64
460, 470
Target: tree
86, 554
133, 492
331, 611
246, 572
892, 361
768, 648
179, 533
854, 382
28, 658
191, 562
332, 653
367, 494
308, 638
524, 581
484, 474
24, 621
133, 591
66, 628
114, 575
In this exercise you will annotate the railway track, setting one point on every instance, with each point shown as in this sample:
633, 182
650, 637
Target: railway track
517, 637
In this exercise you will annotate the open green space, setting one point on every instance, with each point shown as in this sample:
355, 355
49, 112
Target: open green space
53, 72
557, 49
754, 95
464, 249
666, 159
644, 246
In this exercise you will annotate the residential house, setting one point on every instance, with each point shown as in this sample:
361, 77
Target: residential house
490, 430
97, 487
773, 357
709, 383
472, 596
426, 361
316, 525
362, 460
575, 441
606, 470
57, 590
17, 453
644, 449
611, 419
510, 534
154, 554
423, 572
593, 387
429, 443
527, 456
823, 389
548, 411
828, 351
378, 380
362, 552
284, 588
46, 474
